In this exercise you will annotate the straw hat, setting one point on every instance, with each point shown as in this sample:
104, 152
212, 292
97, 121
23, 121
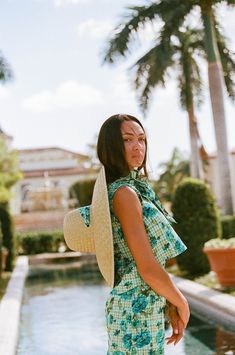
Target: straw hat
88, 229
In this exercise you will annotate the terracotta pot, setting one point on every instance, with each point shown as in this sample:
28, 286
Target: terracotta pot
222, 261
171, 262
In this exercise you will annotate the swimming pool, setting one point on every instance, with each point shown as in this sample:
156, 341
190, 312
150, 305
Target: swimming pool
63, 314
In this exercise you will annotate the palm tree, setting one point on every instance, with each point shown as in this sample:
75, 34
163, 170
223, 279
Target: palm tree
173, 172
173, 14
181, 54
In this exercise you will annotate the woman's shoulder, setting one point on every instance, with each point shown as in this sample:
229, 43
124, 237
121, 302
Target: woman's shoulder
117, 184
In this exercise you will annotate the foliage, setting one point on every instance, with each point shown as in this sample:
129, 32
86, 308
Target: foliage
0, 252
39, 242
173, 172
227, 58
228, 226
8, 240
92, 158
5, 69
195, 210
211, 280
170, 36
9, 171
220, 243
83, 191
5, 278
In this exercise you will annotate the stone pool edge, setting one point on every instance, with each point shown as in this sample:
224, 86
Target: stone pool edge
213, 305
10, 307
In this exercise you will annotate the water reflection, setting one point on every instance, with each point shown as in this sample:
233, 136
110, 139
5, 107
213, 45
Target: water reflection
63, 314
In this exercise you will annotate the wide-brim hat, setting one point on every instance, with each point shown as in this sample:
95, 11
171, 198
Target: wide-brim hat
88, 229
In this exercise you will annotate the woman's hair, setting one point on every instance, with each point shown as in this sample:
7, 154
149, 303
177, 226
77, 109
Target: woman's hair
111, 150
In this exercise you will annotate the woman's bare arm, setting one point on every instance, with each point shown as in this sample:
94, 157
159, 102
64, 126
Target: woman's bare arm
128, 210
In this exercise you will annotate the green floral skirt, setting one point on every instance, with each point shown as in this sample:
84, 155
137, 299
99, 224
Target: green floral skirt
135, 322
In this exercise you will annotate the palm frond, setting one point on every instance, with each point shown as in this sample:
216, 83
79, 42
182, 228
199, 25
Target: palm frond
189, 78
185, 84
227, 58
123, 34
151, 70
230, 3
171, 12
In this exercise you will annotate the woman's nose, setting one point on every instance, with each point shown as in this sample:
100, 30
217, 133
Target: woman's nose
137, 145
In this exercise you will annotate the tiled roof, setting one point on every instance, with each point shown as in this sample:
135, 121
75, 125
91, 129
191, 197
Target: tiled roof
214, 155
57, 172
49, 149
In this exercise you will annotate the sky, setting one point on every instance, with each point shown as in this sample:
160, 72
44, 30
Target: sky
62, 92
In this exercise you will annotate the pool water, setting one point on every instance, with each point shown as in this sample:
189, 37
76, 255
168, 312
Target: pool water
63, 314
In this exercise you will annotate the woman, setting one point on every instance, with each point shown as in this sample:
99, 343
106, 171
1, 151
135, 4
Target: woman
143, 241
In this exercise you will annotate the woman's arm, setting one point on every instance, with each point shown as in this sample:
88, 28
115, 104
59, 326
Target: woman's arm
128, 210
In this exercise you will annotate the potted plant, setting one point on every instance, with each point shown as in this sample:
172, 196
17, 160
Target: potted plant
221, 256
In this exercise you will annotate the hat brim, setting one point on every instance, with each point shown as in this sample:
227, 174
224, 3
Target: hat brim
103, 236
97, 237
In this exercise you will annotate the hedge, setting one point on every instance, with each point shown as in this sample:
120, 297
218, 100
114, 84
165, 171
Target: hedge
39, 242
198, 220
228, 226
8, 237
83, 191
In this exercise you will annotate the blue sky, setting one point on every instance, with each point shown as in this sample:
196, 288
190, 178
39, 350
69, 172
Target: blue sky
62, 93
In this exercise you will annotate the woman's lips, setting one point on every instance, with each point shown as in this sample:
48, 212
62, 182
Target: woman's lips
137, 156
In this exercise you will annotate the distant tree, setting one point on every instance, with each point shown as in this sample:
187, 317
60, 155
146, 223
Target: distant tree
5, 70
173, 172
8, 236
92, 154
9, 175
9, 171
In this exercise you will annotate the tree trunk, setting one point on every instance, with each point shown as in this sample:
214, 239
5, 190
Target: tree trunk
217, 103
196, 169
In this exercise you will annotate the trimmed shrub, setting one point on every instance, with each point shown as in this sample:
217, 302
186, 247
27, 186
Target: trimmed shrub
39, 242
0, 252
228, 227
8, 240
83, 191
194, 208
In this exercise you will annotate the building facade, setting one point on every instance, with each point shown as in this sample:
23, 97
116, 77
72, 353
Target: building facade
213, 178
48, 174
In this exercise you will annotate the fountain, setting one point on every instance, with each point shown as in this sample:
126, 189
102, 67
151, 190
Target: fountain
46, 197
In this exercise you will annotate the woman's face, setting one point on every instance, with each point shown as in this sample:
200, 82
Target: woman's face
134, 143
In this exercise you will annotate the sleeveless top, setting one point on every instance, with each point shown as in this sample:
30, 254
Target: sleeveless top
164, 241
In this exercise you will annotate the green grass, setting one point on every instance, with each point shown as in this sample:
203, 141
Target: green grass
5, 277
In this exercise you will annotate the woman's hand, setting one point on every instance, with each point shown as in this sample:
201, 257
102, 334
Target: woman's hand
176, 323
184, 312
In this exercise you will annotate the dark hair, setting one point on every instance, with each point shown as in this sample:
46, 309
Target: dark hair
110, 147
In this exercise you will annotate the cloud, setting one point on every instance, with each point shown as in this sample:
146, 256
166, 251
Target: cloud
93, 28
67, 95
74, 2
4, 93
122, 90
